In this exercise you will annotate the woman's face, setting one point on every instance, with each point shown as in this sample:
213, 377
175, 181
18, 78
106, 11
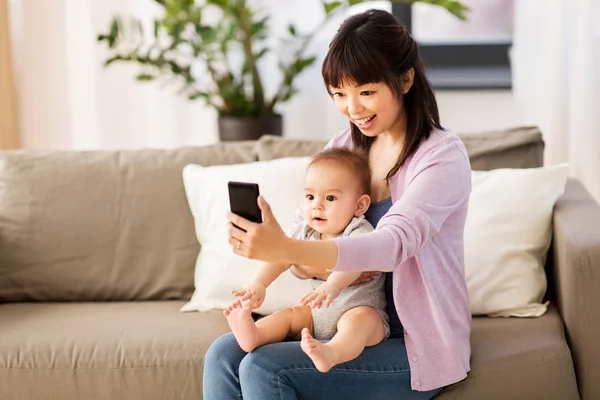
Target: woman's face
374, 108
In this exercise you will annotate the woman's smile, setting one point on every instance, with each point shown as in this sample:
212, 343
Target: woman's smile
365, 123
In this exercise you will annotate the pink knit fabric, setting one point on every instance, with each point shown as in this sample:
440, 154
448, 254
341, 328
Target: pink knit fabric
421, 240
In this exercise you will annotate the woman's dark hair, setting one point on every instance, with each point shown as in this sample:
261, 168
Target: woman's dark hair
373, 47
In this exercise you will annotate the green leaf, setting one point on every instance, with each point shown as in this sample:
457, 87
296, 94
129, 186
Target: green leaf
176, 30
329, 7
145, 77
290, 93
262, 52
196, 16
172, 9
303, 63
237, 90
187, 4
156, 28
114, 27
112, 60
259, 26
455, 7
292, 29
219, 3
207, 33
196, 95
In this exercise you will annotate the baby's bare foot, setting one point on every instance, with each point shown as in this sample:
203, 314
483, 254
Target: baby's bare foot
321, 355
242, 325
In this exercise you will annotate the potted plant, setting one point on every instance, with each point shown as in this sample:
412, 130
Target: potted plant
182, 41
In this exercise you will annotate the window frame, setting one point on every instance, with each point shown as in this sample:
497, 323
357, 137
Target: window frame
462, 66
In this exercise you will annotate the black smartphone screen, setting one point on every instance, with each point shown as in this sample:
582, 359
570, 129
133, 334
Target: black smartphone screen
243, 200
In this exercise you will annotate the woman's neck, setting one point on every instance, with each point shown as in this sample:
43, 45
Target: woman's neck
383, 155
395, 135
389, 140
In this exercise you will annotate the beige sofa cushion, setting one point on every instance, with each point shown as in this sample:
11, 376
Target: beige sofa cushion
148, 350
518, 358
112, 351
100, 225
270, 147
520, 147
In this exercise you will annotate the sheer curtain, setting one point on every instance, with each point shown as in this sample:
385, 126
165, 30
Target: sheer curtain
67, 100
9, 138
556, 65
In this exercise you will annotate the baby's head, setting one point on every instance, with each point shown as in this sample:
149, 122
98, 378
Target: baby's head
336, 189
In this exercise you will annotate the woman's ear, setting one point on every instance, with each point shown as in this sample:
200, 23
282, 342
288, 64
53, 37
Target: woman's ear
407, 80
362, 205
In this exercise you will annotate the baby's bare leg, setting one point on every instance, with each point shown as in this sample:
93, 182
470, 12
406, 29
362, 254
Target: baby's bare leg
270, 329
358, 328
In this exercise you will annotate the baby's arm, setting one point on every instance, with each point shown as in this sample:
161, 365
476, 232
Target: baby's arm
256, 289
342, 280
330, 289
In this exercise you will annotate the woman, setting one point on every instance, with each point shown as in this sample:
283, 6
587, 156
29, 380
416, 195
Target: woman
420, 190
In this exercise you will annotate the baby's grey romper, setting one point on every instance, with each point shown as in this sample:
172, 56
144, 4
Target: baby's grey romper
365, 294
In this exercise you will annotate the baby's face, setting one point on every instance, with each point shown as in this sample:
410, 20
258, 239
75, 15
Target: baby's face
331, 195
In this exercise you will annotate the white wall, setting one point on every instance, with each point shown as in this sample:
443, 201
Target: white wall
68, 101
475, 111
311, 113
460, 111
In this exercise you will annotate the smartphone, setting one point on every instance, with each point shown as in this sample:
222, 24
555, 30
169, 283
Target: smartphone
243, 201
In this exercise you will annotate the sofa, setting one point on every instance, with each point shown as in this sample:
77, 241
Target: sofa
97, 256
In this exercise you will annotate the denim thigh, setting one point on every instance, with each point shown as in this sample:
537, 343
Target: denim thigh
282, 371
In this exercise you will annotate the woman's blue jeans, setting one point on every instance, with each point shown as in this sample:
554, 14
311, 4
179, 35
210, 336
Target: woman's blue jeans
282, 371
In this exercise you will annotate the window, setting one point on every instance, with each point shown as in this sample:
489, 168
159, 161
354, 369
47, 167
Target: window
472, 54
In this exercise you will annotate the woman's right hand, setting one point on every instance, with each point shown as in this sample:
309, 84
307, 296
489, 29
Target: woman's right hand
366, 277
306, 272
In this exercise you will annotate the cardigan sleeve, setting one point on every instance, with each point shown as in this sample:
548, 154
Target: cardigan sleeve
438, 183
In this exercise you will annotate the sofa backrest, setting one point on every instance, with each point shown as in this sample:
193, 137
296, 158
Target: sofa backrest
520, 147
115, 225
100, 225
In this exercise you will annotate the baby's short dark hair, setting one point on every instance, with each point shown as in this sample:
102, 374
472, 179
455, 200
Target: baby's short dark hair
356, 162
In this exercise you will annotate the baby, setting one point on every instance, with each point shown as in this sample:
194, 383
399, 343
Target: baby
336, 196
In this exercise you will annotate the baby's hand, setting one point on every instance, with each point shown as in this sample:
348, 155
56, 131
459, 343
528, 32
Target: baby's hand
327, 292
254, 292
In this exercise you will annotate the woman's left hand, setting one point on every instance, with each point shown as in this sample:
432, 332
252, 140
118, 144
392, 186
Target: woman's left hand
265, 241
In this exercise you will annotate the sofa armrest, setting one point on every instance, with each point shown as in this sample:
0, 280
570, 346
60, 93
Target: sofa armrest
575, 278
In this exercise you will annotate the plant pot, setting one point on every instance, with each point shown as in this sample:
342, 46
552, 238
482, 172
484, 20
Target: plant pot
249, 128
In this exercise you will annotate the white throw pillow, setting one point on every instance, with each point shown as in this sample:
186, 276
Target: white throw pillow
507, 235
218, 269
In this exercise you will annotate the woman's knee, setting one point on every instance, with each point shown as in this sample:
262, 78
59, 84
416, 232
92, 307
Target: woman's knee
256, 363
258, 373
224, 352
262, 373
